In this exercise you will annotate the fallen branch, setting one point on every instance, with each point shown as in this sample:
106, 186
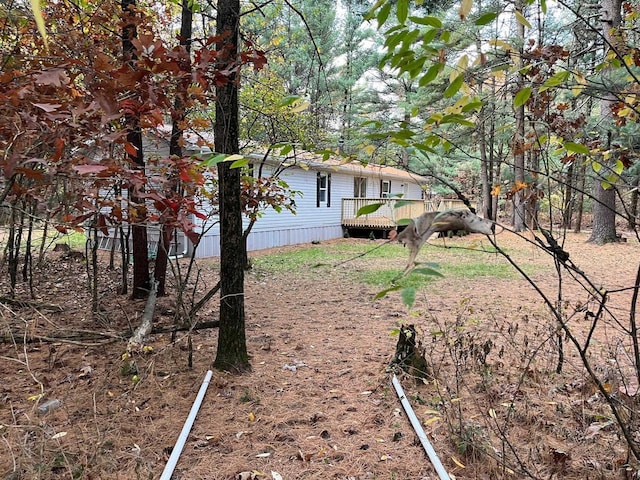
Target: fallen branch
14, 302
80, 337
204, 300
146, 325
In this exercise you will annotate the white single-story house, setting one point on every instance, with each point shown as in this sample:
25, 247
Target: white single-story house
331, 194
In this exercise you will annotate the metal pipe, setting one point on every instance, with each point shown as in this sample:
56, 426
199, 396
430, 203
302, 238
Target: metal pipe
177, 449
433, 456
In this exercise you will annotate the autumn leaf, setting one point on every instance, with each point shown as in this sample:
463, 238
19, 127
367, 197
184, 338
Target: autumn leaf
37, 14
86, 169
495, 191
47, 107
465, 8
131, 149
56, 77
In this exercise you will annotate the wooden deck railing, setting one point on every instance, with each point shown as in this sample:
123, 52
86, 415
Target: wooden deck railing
387, 216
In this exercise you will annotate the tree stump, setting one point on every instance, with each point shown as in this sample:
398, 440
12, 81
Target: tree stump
410, 353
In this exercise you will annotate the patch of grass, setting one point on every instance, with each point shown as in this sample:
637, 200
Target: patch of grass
474, 270
460, 263
321, 255
385, 277
294, 260
75, 240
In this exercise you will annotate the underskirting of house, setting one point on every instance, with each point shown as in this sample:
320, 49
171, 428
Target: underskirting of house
259, 240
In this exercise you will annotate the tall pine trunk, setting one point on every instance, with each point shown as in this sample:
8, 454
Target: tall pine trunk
232, 348
604, 208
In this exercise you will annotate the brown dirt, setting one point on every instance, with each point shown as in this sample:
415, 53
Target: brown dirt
318, 403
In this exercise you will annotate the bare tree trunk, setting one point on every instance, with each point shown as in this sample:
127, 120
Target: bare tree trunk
519, 209
486, 179
175, 146
580, 186
232, 346
604, 209
141, 280
633, 207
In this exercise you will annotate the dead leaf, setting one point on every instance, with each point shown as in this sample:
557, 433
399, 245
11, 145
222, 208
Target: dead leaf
263, 455
59, 435
85, 371
56, 77
47, 107
595, 428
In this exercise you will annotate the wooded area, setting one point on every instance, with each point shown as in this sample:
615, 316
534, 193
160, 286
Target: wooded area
528, 108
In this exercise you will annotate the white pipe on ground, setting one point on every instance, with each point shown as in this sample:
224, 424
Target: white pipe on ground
177, 449
433, 456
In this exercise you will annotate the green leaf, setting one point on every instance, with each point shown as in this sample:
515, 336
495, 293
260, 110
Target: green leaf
619, 167
459, 119
403, 221
543, 5
213, 159
286, 149
408, 295
367, 209
383, 14
521, 97
402, 11
402, 203
431, 74
241, 162
472, 106
369, 15
427, 271
454, 86
430, 21
383, 293
289, 100
486, 18
576, 148
555, 80
428, 37
596, 166
521, 19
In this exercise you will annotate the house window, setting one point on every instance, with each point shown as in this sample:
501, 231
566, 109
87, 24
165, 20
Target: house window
359, 187
385, 188
323, 189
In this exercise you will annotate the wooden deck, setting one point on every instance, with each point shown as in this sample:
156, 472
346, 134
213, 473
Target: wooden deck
392, 210
387, 216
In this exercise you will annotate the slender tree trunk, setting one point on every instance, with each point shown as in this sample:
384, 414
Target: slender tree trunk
633, 207
232, 347
481, 139
175, 146
141, 280
519, 141
604, 208
580, 186
568, 197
